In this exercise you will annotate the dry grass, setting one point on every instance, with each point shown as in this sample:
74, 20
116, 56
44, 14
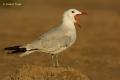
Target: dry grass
33, 72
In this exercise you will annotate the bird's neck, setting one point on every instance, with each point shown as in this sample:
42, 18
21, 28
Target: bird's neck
68, 23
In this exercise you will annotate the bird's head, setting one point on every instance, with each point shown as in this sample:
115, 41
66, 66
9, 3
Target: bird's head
73, 15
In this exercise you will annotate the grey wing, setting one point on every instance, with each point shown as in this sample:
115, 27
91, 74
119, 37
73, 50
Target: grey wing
51, 41
53, 44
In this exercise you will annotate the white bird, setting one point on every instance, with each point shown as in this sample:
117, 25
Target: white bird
55, 40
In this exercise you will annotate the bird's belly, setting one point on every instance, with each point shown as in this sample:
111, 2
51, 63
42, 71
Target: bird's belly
62, 48
72, 41
73, 38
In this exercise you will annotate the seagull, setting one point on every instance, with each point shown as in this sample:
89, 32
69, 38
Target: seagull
55, 40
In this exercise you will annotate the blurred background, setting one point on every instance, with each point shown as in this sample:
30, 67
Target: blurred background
96, 52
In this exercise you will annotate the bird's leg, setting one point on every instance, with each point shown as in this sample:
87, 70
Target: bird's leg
52, 57
55, 60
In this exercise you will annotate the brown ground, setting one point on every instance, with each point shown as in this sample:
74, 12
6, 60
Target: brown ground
96, 52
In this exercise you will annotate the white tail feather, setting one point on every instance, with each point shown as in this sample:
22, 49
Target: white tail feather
26, 53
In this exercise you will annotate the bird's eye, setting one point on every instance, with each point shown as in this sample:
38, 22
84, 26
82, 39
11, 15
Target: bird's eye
73, 12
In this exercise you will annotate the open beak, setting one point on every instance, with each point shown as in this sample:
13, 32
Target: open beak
83, 13
77, 18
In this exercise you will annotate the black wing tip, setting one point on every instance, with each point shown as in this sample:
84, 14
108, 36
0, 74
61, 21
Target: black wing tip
12, 48
15, 49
